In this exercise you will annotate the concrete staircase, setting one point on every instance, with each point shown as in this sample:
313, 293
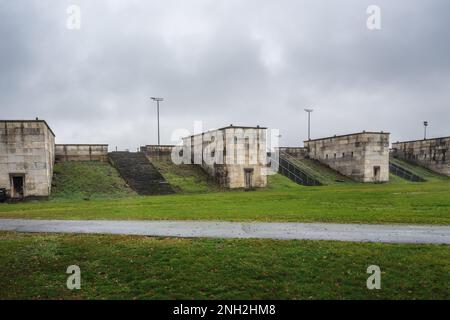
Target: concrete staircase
308, 172
398, 168
139, 173
288, 168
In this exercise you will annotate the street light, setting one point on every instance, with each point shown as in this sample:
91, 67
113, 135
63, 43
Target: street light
157, 106
309, 122
425, 125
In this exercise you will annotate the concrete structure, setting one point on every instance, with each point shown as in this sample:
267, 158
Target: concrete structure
235, 156
155, 152
27, 154
430, 153
296, 152
361, 156
81, 152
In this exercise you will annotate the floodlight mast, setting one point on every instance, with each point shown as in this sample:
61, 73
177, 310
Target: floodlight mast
157, 107
309, 110
425, 125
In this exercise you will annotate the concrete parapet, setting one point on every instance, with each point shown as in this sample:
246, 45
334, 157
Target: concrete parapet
81, 152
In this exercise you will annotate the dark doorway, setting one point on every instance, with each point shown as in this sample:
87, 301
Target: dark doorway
248, 178
17, 187
376, 174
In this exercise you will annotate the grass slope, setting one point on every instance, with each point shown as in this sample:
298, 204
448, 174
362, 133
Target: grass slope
125, 267
321, 172
419, 170
403, 203
186, 178
87, 180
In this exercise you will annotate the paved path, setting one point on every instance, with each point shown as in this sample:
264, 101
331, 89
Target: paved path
219, 229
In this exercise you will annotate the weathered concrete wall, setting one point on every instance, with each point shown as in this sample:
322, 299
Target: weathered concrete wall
362, 156
81, 152
27, 150
162, 152
433, 154
235, 156
296, 152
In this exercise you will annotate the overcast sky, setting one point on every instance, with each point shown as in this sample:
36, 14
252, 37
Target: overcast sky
245, 62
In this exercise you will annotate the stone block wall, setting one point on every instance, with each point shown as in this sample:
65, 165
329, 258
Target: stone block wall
27, 152
296, 152
81, 152
433, 154
362, 156
155, 152
235, 156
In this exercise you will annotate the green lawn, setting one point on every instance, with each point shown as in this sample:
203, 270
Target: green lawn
125, 267
283, 200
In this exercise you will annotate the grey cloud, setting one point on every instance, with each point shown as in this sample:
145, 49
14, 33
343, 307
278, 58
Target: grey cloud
241, 62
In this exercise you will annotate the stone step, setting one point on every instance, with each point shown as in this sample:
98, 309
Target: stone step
140, 174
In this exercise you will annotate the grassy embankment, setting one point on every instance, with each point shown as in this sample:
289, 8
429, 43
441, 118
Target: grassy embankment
128, 267
87, 180
425, 173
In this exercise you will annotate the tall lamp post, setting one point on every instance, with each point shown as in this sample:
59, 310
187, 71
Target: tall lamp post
157, 106
425, 125
309, 122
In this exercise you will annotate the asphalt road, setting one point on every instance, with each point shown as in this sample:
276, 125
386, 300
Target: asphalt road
243, 230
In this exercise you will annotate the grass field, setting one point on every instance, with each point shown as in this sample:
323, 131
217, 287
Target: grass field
396, 202
124, 267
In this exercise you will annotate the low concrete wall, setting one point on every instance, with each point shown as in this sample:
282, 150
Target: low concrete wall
296, 152
81, 152
162, 152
